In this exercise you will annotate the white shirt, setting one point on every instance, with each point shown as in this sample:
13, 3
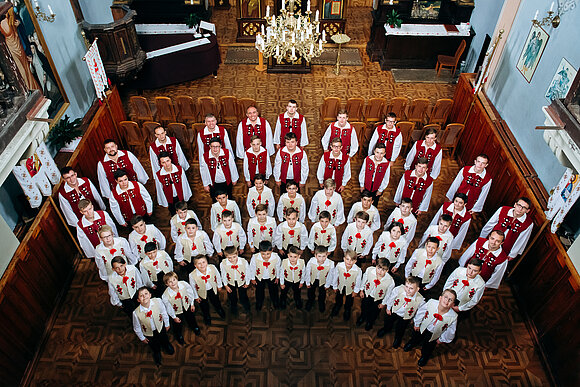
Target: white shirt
363, 171
424, 206
102, 176
220, 177
396, 145
303, 131
240, 138
161, 199
304, 168
137, 323
84, 241
353, 138
436, 169
460, 237
225, 141
150, 230
116, 209
421, 273
66, 207
495, 279
301, 211
335, 207
206, 243
246, 168
375, 217
409, 223
154, 159
478, 205
520, 243
322, 167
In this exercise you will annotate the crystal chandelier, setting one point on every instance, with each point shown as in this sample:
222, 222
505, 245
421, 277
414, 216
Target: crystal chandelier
290, 36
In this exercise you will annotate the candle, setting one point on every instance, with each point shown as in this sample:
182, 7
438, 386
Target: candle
320, 45
283, 4
49, 9
311, 49
191, 2
536, 15
317, 27
293, 38
324, 35
262, 29
552, 7
277, 50
36, 4
293, 52
308, 5
267, 10
316, 15
283, 36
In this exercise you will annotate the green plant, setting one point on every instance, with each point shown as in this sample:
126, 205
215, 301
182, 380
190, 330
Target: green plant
192, 20
394, 19
64, 132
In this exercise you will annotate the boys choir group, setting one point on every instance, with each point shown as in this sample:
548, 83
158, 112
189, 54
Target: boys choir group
142, 279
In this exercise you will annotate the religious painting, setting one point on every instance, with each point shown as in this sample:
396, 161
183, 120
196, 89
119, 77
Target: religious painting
561, 81
250, 9
332, 9
26, 45
426, 9
532, 52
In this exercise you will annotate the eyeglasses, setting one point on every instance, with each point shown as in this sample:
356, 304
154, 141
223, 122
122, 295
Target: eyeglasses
522, 207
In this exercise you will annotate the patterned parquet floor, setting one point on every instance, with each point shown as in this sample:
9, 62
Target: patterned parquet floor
92, 343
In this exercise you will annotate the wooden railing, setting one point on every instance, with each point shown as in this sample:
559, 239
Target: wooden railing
42, 266
545, 282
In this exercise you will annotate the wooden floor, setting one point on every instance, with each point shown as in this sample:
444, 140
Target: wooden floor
92, 343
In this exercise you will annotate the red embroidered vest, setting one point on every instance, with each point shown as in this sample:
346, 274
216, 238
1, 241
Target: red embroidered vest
415, 188
472, 185
124, 163
125, 199
224, 163
388, 137
457, 221
221, 133
74, 198
335, 166
374, 174
430, 155
290, 125
249, 130
169, 148
296, 159
170, 179
515, 227
490, 261
92, 231
257, 163
343, 133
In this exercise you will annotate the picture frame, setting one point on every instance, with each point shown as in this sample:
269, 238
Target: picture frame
532, 52
332, 9
41, 72
251, 9
561, 81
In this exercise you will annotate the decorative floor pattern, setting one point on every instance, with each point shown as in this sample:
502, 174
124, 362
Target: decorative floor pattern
92, 343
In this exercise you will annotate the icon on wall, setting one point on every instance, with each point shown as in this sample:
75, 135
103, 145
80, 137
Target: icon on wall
532, 52
561, 81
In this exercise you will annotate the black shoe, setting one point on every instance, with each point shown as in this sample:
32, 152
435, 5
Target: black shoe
397, 342
282, 304
299, 304
321, 308
234, 310
360, 320
422, 362
346, 315
258, 307
309, 305
335, 310
157, 358
197, 331
207, 321
408, 347
180, 340
169, 349
381, 333
276, 305
368, 326
221, 313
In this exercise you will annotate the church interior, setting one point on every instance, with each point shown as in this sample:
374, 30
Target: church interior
508, 87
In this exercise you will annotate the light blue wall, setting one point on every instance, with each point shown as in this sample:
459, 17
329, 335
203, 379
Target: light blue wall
483, 21
97, 11
66, 46
519, 102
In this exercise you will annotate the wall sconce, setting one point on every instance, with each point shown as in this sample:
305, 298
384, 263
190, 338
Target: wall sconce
41, 15
550, 19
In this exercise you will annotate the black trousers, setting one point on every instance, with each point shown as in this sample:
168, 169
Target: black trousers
376, 199
129, 305
189, 317
370, 309
158, 340
159, 285
204, 304
171, 205
427, 347
186, 269
296, 291
227, 188
241, 293
340, 297
321, 292
272, 289
399, 323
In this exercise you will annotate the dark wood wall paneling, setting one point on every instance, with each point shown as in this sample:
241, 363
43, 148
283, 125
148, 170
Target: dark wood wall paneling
546, 283
42, 264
